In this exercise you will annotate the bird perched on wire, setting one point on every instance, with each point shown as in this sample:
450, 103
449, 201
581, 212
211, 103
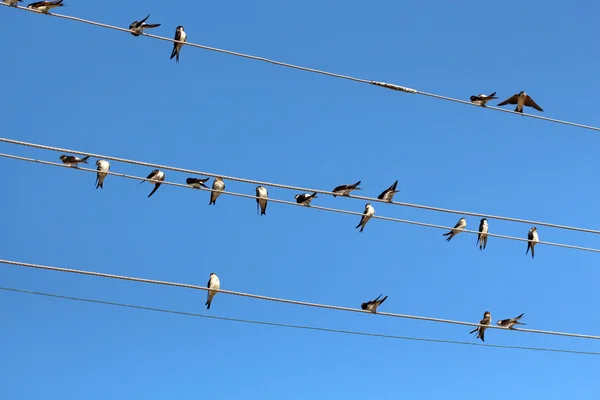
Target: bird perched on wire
482, 99
181, 36
458, 228
344, 190
45, 6
261, 201
482, 237
73, 161
103, 168
367, 215
137, 27
388, 194
217, 188
487, 320
213, 283
372, 305
197, 182
12, 2
532, 240
521, 99
305, 198
511, 322
157, 176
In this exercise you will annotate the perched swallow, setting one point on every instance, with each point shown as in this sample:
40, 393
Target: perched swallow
197, 182
458, 228
487, 320
367, 214
45, 6
388, 194
305, 198
103, 168
72, 161
482, 99
158, 176
483, 234
217, 187
181, 36
262, 193
511, 322
137, 27
213, 283
372, 305
521, 99
533, 239
344, 190
12, 2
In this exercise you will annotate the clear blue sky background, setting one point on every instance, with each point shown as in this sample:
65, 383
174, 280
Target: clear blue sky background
78, 86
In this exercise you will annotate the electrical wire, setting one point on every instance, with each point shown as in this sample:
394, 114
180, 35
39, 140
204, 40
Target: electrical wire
289, 187
275, 299
316, 71
290, 203
282, 325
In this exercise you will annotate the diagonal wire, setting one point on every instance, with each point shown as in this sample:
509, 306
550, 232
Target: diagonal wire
316, 71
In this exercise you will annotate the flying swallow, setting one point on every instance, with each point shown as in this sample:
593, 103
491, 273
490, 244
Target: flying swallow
72, 161
482, 99
458, 228
45, 6
158, 176
533, 239
521, 99
103, 168
388, 194
137, 27
483, 234
262, 194
372, 305
213, 283
182, 37
511, 322
367, 214
12, 2
487, 320
217, 187
305, 198
197, 182
344, 190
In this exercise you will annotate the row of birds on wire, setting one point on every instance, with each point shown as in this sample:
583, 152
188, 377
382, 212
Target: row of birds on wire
521, 99
157, 177
214, 284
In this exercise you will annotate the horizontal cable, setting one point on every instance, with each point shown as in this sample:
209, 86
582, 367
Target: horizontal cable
317, 71
281, 325
289, 187
292, 203
275, 299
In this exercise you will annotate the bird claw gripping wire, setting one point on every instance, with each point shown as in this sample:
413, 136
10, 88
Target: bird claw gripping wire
394, 87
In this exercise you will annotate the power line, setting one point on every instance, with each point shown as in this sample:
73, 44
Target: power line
289, 187
275, 299
317, 71
312, 328
290, 203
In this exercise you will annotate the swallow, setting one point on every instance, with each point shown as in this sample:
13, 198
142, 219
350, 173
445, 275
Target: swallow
458, 228
483, 234
45, 6
137, 27
12, 2
158, 177
197, 182
213, 283
533, 239
482, 99
388, 194
511, 322
305, 198
521, 99
261, 194
367, 214
103, 168
217, 187
182, 37
72, 161
487, 320
344, 190
372, 305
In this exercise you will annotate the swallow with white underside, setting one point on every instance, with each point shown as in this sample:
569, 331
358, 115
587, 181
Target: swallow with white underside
532, 239
487, 320
521, 99
157, 176
197, 182
511, 322
181, 36
214, 284
45, 6
388, 194
137, 27
73, 161
367, 214
12, 2
482, 237
372, 305
261, 194
217, 188
305, 198
103, 168
458, 228
482, 99
344, 190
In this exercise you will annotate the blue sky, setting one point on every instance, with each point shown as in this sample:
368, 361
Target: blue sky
77, 86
